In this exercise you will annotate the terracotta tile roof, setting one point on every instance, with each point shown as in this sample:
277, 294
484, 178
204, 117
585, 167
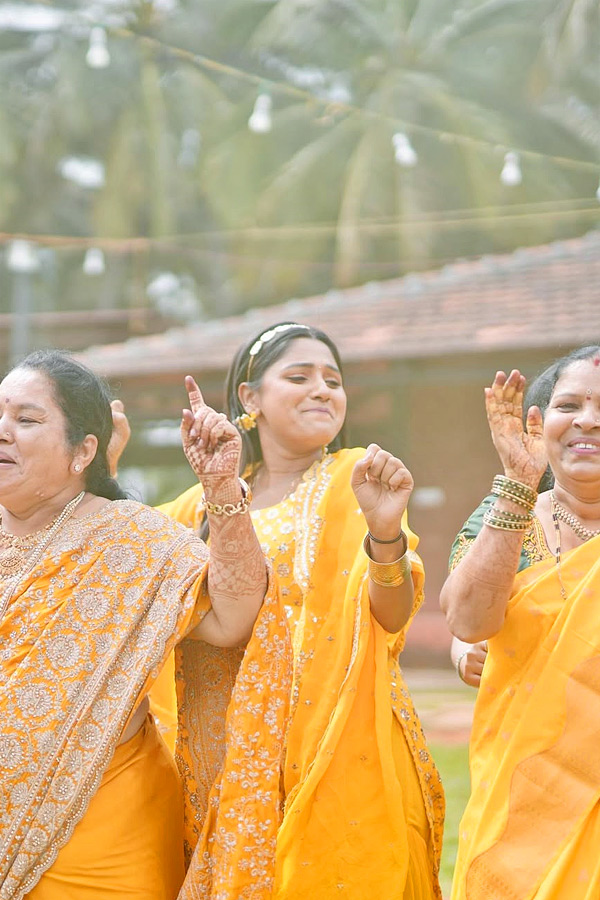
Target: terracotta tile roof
534, 297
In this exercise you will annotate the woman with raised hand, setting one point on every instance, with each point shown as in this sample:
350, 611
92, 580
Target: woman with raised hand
525, 580
363, 806
95, 591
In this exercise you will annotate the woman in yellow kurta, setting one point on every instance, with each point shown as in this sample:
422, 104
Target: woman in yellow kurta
363, 806
526, 577
95, 591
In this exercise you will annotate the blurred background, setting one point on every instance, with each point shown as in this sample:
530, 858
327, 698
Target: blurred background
420, 178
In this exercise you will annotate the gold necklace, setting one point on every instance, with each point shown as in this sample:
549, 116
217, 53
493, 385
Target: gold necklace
14, 549
586, 534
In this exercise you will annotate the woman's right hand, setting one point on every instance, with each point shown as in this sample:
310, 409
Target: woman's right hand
469, 660
521, 451
211, 443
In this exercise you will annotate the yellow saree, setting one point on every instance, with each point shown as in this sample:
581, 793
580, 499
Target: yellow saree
84, 635
532, 826
363, 805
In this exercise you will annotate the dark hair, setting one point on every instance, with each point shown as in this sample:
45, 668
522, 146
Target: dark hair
251, 368
542, 387
84, 399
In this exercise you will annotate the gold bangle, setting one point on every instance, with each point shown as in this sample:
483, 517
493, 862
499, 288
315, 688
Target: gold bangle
230, 509
514, 498
391, 574
514, 490
523, 518
504, 521
458, 662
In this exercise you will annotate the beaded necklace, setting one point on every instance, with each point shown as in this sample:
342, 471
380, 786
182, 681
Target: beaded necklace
586, 534
572, 521
557, 553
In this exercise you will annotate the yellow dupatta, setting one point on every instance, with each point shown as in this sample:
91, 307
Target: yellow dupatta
532, 825
343, 830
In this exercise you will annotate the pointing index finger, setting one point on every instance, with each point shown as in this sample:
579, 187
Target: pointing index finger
194, 394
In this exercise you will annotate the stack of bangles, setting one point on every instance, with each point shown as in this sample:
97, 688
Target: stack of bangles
516, 492
391, 574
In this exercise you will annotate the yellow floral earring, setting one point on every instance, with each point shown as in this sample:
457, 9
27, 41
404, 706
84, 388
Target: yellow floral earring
246, 421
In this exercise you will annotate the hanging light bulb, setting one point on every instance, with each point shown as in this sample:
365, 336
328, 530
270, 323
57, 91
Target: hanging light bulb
260, 121
97, 56
93, 261
404, 152
189, 148
511, 174
22, 257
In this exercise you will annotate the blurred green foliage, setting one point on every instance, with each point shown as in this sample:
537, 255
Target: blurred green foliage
244, 218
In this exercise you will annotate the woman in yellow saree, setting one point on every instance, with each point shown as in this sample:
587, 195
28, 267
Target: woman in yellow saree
526, 577
363, 805
95, 591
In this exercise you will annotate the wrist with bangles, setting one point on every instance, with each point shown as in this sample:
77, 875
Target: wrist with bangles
516, 492
390, 574
230, 509
458, 662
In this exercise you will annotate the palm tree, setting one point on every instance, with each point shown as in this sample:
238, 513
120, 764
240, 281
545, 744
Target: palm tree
321, 199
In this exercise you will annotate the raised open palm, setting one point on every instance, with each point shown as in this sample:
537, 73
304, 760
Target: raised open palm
521, 450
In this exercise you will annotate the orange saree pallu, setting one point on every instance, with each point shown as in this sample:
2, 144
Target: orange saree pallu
362, 802
83, 637
532, 826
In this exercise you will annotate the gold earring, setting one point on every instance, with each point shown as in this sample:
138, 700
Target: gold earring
246, 421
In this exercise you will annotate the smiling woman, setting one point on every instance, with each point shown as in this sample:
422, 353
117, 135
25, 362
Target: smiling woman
363, 805
95, 590
526, 578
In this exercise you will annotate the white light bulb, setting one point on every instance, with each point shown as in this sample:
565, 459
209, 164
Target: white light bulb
189, 148
97, 56
22, 257
404, 152
511, 174
598, 192
260, 121
93, 262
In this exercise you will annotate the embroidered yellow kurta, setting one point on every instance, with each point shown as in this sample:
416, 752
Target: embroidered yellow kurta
532, 825
363, 810
84, 636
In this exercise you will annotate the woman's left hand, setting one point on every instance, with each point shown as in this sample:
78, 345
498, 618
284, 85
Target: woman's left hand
119, 438
382, 485
211, 443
